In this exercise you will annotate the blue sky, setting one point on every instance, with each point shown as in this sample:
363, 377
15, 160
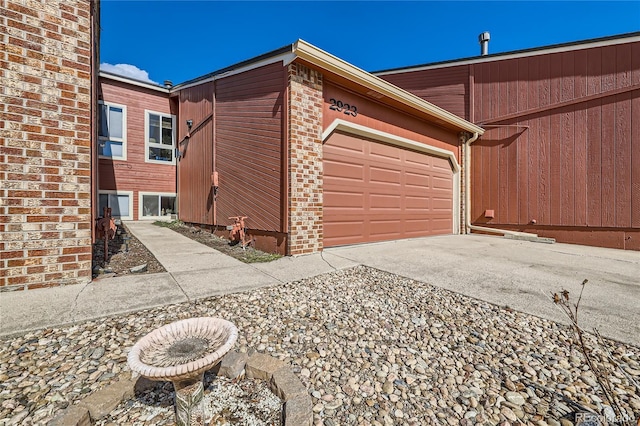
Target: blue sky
179, 40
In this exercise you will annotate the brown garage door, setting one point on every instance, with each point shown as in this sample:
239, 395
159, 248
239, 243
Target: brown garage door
376, 192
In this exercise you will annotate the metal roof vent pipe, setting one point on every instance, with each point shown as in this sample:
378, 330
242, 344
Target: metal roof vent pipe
484, 38
169, 84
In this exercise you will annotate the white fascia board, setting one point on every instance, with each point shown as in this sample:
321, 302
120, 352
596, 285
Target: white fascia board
503, 57
335, 65
285, 58
367, 132
138, 83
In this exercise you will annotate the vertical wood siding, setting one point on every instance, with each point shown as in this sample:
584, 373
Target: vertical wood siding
444, 87
576, 164
196, 165
249, 138
635, 132
134, 173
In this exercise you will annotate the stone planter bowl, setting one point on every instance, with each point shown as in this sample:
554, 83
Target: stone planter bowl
182, 350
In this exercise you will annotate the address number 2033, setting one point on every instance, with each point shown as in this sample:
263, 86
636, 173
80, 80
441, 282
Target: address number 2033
339, 106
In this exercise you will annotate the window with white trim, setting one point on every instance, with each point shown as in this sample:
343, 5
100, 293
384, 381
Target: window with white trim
112, 131
154, 205
121, 204
160, 137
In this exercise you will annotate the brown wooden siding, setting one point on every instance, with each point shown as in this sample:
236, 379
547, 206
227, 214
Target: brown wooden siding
134, 174
635, 132
575, 159
196, 165
444, 87
580, 169
249, 138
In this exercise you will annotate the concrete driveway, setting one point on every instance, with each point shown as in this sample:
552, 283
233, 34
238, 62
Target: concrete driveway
520, 274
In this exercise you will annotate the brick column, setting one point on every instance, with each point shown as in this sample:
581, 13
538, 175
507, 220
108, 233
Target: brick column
45, 158
305, 160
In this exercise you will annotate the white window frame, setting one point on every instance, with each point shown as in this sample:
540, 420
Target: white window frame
148, 144
123, 140
112, 192
141, 194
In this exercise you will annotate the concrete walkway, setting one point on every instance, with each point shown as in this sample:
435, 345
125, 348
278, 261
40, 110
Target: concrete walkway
517, 274
193, 270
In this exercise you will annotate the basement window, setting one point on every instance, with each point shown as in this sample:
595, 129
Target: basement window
157, 205
121, 203
112, 131
160, 137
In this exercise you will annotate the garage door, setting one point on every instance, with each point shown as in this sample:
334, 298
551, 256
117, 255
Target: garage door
377, 192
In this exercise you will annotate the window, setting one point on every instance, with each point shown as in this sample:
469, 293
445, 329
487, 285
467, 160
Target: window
112, 131
120, 203
154, 205
160, 137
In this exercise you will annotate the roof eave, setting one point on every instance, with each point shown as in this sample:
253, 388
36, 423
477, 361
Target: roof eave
521, 53
134, 82
266, 58
333, 64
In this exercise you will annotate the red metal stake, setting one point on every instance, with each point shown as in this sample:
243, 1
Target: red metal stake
237, 231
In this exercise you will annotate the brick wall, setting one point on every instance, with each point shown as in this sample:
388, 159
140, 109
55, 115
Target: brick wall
305, 160
45, 158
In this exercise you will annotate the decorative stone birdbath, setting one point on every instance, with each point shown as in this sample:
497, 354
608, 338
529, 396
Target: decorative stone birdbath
181, 352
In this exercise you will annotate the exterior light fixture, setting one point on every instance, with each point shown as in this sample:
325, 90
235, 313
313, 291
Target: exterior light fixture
189, 124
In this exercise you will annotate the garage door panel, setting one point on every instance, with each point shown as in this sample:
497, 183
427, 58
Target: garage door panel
417, 191
416, 227
441, 164
439, 182
384, 202
414, 159
417, 180
343, 171
441, 204
343, 200
421, 203
383, 175
351, 230
382, 228
382, 150
441, 226
378, 192
348, 147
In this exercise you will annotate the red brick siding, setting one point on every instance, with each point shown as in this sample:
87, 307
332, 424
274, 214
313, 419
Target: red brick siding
305, 160
45, 158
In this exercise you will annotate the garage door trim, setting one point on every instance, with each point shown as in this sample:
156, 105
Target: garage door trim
367, 132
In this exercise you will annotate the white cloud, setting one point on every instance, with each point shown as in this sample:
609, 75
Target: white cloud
127, 70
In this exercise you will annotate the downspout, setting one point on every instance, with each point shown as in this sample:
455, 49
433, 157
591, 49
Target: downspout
467, 194
467, 182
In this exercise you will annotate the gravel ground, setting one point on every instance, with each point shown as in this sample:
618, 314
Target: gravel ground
371, 347
208, 238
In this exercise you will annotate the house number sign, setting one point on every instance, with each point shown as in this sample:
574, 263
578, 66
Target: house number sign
340, 106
